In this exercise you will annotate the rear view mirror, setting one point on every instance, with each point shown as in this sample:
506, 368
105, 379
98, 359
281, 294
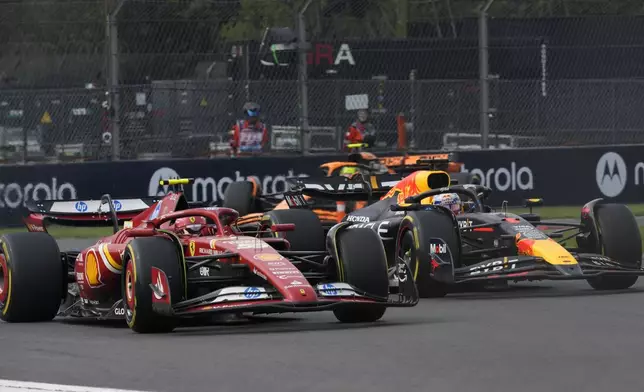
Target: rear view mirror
533, 202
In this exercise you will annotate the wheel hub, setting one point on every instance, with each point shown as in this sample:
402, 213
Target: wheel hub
128, 286
402, 267
129, 290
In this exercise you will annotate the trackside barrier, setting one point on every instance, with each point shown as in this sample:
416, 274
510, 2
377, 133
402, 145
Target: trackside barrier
561, 176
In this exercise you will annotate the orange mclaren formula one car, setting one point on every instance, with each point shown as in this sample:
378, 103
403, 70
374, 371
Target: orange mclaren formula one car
448, 244
248, 198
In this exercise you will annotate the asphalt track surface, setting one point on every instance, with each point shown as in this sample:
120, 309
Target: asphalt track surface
530, 337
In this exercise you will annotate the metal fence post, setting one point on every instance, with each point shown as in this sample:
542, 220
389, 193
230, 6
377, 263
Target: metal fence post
484, 73
411, 138
115, 103
303, 79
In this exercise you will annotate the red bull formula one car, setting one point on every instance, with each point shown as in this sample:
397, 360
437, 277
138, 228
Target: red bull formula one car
171, 261
480, 244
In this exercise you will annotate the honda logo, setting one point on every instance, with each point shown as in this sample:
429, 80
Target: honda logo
611, 174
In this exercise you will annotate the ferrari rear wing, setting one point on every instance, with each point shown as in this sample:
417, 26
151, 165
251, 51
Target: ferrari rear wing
345, 189
103, 212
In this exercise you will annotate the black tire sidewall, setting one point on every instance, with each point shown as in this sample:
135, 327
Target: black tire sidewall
426, 225
239, 197
363, 261
620, 239
143, 254
619, 234
37, 281
308, 234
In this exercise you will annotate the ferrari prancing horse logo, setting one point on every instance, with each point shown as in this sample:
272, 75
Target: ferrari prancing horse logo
192, 248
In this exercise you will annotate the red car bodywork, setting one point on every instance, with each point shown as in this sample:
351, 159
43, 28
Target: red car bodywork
98, 269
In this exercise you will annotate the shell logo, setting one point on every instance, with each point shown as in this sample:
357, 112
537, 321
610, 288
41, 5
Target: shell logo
212, 244
268, 257
92, 270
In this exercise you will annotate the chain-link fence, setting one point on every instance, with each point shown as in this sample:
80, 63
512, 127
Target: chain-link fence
132, 79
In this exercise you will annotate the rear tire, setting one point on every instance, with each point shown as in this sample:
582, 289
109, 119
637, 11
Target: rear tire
240, 197
417, 228
308, 234
32, 277
620, 239
142, 254
364, 265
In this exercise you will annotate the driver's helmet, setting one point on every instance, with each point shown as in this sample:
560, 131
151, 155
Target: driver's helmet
190, 225
378, 168
449, 200
348, 171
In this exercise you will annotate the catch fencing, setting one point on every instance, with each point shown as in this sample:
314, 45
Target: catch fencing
93, 80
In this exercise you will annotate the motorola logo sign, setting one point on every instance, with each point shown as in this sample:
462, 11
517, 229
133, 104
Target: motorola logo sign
209, 189
611, 174
503, 179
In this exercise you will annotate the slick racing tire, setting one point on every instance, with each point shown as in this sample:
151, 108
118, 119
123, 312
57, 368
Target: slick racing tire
147, 311
32, 277
308, 234
363, 264
620, 239
413, 242
240, 196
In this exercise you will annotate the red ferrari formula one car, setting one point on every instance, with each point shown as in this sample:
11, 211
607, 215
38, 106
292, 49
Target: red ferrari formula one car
171, 261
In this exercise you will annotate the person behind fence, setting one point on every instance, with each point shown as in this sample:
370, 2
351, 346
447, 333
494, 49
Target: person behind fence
361, 131
249, 135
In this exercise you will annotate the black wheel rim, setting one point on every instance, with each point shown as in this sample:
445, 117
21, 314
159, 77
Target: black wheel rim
408, 253
129, 293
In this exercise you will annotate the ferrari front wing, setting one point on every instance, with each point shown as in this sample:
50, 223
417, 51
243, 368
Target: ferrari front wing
268, 300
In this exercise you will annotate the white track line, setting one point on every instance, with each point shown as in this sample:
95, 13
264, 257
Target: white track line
15, 386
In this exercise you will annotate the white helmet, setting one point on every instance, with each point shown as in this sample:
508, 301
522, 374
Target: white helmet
449, 200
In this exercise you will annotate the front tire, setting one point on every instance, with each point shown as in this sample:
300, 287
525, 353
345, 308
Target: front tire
146, 312
32, 277
413, 244
620, 239
363, 264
